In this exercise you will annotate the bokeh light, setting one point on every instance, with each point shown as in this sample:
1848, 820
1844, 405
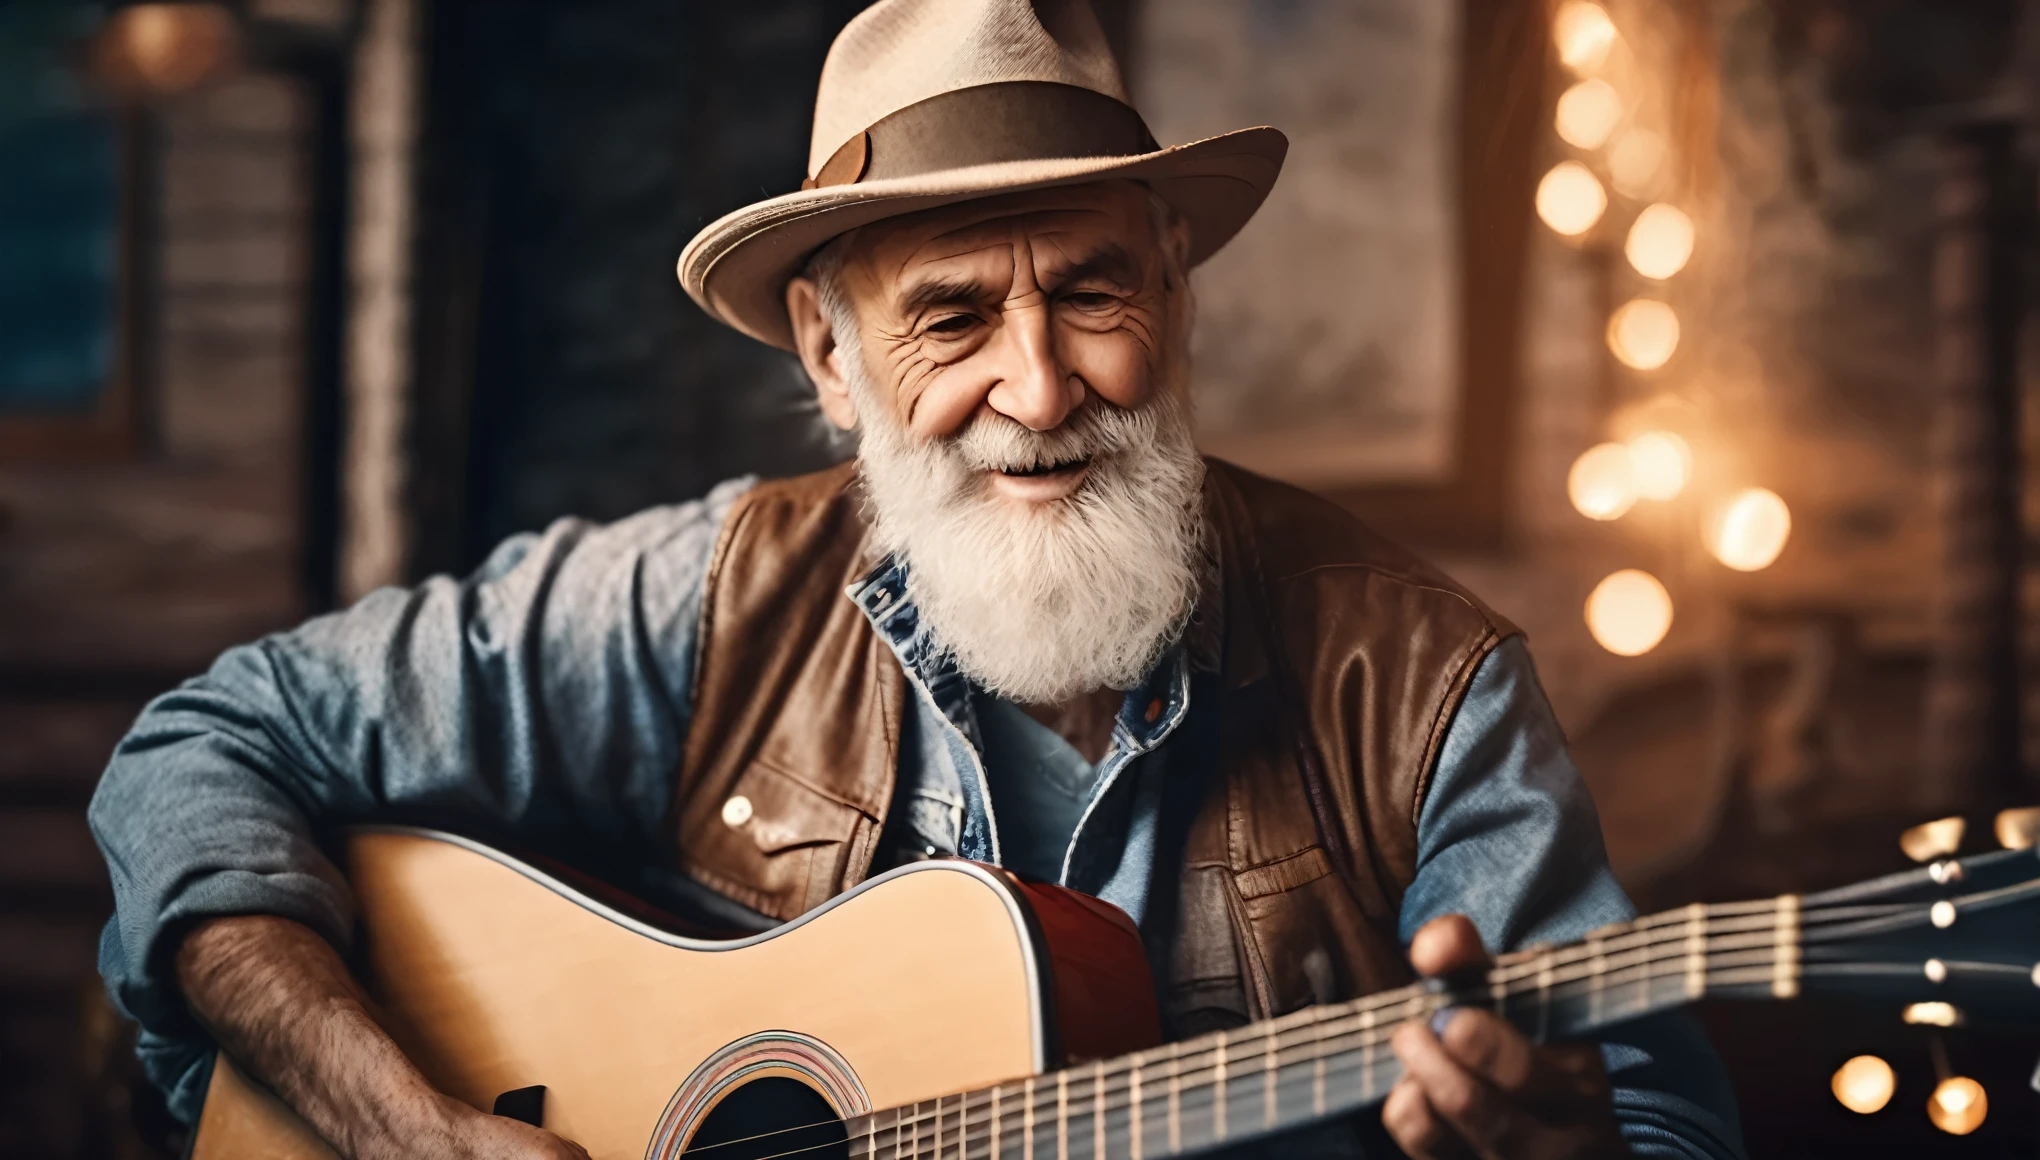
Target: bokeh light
1864, 1084
1662, 462
2018, 828
1636, 162
1931, 1014
1958, 1105
167, 48
1584, 35
1588, 113
1936, 839
1602, 482
1750, 529
1629, 612
1570, 198
1643, 334
1660, 241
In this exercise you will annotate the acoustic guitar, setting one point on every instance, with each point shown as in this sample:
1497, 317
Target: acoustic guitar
948, 1009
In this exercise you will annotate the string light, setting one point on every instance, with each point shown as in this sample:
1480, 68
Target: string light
1636, 158
1660, 241
1570, 198
1936, 839
1602, 482
1629, 612
167, 48
1662, 463
1643, 334
1588, 113
1958, 1105
1750, 529
1584, 35
1864, 1084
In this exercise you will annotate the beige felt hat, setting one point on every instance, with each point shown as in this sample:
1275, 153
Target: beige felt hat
928, 102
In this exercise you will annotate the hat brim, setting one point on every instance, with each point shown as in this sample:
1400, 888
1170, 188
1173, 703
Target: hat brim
738, 267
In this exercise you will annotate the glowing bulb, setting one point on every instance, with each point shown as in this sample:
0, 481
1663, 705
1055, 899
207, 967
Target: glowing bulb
1932, 1014
1750, 530
1588, 113
1602, 482
1662, 463
1660, 242
1864, 1084
169, 48
1643, 334
1635, 160
1958, 1105
1584, 35
1629, 612
2018, 829
1570, 198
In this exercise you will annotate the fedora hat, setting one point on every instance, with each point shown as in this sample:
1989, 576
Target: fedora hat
924, 103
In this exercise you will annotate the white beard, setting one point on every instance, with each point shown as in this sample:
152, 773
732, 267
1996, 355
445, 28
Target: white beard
1041, 603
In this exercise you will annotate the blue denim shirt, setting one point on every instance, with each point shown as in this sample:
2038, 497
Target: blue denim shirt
545, 700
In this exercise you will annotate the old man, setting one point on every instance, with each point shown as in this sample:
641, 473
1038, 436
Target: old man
1029, 625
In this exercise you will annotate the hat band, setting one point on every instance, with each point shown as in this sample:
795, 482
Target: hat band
985, 125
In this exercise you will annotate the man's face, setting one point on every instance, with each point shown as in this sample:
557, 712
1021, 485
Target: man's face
1014, 368
1025, 305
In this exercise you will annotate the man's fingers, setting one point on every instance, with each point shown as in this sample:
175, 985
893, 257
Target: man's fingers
1417, 1129
1490, 1049
1468, 1104
1445, 945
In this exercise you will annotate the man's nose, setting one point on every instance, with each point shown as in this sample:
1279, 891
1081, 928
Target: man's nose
1036, 390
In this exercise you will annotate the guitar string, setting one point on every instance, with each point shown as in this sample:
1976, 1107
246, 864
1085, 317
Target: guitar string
1755, 921
1370, 1041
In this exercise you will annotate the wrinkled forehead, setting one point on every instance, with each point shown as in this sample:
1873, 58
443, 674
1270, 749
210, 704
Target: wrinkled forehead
1072, 223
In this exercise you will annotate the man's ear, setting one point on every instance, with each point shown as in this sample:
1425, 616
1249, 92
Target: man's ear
815, 342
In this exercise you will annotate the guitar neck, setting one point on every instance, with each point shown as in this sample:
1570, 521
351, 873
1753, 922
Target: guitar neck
1322, 1062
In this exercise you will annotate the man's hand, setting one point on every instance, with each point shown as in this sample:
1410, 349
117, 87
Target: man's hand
281, 1002
1481, 1089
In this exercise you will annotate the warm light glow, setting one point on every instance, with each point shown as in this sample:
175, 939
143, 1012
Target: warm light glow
1958, 1106
1660, 242
1864, 1084
1750, 529
1588, 113
167, 48
1629, 612
1644, 333
1930, 840
1635, 159
1584, 35
1570, 198
1932, 1014
1662, 462
2018, 829
1602, 482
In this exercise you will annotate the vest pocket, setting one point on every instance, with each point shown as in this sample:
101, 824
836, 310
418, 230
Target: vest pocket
775, 843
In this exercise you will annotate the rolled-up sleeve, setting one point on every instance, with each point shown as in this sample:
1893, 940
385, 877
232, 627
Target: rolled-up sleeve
1508, 836
543, 700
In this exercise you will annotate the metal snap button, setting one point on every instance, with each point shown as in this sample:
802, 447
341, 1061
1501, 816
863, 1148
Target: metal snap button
736, 811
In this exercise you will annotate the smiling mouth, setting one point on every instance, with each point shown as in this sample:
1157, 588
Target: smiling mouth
1046, 469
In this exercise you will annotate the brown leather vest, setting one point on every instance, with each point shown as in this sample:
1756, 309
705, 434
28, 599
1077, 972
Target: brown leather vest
1342, 659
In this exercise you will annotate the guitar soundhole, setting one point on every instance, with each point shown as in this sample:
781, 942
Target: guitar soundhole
770, 1117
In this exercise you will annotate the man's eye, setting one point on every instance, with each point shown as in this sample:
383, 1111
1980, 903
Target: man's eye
1089, 300
954, 324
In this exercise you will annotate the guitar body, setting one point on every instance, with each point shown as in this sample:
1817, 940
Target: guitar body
494, 977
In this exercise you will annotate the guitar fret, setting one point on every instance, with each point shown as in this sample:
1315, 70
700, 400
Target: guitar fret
1218, 1097
1133, 1087
1027, 1120
1268, 1071
1367, 1018
1176, 1104
996, 1138
1597, 967
1062, 1115
1696, 950
1545, 973
1785, 967
1098, 1112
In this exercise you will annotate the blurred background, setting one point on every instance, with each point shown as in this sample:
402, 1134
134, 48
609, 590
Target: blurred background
1693, 334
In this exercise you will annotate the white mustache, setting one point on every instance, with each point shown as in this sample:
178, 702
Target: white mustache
1096, 430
